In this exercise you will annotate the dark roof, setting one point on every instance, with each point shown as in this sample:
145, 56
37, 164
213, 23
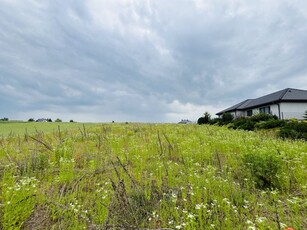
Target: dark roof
234, 107
279, 96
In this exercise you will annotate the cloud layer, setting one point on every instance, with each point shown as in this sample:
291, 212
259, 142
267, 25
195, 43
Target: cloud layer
146, 60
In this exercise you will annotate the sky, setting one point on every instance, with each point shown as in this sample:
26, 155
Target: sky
146, 60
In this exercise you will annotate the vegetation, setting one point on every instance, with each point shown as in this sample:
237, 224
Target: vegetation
133, 176
292, 129
204, 119
227, 118
8, 129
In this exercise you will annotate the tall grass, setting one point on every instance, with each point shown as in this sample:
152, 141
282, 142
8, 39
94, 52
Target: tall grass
147, 176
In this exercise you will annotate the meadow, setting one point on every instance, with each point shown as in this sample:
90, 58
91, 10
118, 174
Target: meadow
151, 176
11, 128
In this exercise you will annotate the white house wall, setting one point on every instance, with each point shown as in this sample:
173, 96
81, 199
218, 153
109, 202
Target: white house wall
274, 110
292, 110
239, 114
256, 111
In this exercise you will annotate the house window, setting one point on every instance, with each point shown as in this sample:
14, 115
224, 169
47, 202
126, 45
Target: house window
249, 113
265, 110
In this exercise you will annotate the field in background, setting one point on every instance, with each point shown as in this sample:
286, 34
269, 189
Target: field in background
20, 128
150, 176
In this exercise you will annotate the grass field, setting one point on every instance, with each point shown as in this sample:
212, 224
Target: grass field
151, 176
20, 128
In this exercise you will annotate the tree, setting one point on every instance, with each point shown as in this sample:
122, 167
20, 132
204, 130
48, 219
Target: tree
58, 120
205, 119
305, 115
31, 120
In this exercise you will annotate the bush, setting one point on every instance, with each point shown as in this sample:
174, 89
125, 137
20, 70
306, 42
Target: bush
244, 123
239, 122
264, 168
227, 118
250, 123
216, 120
288, 133
294, 130
263, 117
270, 124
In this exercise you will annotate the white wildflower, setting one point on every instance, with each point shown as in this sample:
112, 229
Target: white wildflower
260, 219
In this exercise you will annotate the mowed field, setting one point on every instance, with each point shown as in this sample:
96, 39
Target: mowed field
149, 176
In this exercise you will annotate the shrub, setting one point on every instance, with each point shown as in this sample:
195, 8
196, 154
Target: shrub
250, 123
263, 117
58, 120
239, 122
244, 123
264, 168
270, 124
227, 118
288, 133
216, 120
294, 130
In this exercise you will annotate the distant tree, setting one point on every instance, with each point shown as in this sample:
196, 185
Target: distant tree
71, 121
4, 119
58, 120
205, 119
49, 120
31, 120
305, 115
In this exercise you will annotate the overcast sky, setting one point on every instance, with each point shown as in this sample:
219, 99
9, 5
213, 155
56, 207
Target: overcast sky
146, 60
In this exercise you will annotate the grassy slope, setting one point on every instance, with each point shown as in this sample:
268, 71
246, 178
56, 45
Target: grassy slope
150, 176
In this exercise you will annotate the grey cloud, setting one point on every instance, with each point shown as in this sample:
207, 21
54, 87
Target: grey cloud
139, 57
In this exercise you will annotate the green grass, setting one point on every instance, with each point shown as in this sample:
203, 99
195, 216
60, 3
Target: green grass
134, 176
20, 128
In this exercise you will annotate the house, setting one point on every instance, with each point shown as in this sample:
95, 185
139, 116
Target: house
185, 122
285, 104
41, 120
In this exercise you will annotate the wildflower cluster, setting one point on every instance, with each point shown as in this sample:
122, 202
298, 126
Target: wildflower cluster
18, 199
103, 190
25, 186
